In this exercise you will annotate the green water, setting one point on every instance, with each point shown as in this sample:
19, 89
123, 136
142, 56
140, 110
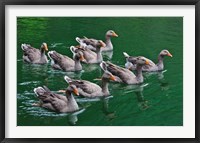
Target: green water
157, 102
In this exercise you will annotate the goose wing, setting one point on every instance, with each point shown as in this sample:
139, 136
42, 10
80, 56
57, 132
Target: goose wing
50, 100
124, 74
60, 60
31, 53
86, 86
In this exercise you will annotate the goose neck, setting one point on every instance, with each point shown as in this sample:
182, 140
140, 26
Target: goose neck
99, 55
139, 75
160, 62
69, 96
108, 42
104, 87
78, 65
42, 51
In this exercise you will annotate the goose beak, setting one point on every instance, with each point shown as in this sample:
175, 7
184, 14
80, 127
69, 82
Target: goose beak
76, 91
147, 62
112, 78
45, 47
114, 35
169, 54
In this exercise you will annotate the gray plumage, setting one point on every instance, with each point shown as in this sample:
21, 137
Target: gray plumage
90, 42
125, 75
33, 55
62, 62
130, 62
57, 102
89, 89
90, 56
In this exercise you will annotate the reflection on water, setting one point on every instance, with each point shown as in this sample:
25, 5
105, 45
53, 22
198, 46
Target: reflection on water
109, 114
73, 117
107, 55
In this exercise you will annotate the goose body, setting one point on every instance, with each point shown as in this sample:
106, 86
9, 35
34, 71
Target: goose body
90, 56
57, 102
90, 42
33, 55
89, 89
124, 75
62, 62
151, 67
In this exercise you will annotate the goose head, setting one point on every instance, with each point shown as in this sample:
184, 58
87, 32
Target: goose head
142, 61
79, 56
108, 76
44, 46
165, 53
111, 33
72, 89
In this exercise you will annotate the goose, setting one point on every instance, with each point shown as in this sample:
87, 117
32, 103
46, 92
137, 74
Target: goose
91, 57
126, 76
91, 90
33, 55
57, 102
152, 66
62, 62
89, 42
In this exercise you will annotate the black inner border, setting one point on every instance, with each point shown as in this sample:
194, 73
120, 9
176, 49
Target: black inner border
3, 3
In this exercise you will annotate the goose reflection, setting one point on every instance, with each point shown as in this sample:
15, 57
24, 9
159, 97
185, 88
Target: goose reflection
109, 114
161, 78
88, 68
107, 55
143, 104
73, 117
136, 91
162, 81
35, 69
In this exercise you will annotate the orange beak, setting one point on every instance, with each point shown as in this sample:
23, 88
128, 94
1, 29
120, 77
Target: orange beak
112, 78
45, 47
170, 55
147, 62
114, 35
76, 91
